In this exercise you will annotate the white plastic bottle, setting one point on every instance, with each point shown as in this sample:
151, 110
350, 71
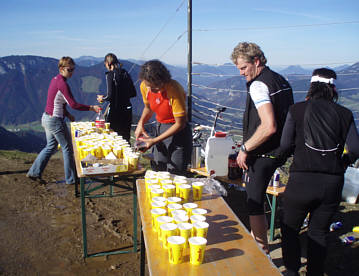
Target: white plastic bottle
276, 178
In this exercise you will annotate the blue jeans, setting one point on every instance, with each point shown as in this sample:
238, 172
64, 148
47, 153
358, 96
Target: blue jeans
56, 133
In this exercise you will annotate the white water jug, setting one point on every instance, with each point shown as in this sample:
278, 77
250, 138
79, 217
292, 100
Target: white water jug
218, 148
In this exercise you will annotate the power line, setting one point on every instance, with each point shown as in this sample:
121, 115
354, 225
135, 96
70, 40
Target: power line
214, 103
242, 91
174, 43
160, 31
275, 27
209, 74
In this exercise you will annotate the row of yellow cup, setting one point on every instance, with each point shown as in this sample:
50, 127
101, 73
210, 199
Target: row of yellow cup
187, 234
177, 226
162, 184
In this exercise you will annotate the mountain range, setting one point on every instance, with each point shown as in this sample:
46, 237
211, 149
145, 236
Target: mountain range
24, 81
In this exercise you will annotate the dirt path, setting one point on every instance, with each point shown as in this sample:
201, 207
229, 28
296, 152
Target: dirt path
41, 228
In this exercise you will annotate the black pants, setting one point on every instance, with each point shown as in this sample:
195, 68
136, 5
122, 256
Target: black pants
319, 195
120, 121
174, 153
260, 171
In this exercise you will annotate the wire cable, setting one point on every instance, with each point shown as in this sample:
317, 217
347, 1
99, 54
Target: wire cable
160, 31
276, 27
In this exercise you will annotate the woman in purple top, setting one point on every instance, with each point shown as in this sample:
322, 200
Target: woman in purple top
53, 121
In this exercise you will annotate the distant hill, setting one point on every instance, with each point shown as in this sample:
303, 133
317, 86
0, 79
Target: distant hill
88, 61
295, 70
23, 141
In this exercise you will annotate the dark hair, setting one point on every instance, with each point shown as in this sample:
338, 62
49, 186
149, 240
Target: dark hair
322, 90
111, 59
154, 72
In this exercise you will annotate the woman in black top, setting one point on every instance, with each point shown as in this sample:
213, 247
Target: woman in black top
317, 131
120, 89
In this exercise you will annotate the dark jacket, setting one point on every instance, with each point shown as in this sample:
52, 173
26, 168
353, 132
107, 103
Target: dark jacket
281, 96
120, 89
319, 132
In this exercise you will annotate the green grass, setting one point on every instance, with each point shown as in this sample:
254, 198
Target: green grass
91, 84
16, 155
34, 126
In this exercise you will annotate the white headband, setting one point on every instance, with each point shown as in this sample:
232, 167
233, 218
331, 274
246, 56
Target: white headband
321, 79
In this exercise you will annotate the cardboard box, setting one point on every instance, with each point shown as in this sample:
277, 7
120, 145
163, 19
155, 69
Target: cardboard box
103, 166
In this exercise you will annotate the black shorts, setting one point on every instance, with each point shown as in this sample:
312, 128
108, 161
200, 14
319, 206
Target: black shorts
260, 171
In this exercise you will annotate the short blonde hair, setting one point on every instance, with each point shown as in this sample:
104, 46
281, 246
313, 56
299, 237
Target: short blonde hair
248, 51
66, 62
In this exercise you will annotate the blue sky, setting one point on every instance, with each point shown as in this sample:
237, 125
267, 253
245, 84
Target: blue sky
290, 32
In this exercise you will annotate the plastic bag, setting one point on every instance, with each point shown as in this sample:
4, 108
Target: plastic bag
211, 186
351, 185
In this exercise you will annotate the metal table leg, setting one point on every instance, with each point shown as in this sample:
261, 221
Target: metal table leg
272, 218
83, 216
143, 255
134, 215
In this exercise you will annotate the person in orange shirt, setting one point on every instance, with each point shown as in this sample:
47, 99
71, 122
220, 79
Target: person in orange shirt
172, 144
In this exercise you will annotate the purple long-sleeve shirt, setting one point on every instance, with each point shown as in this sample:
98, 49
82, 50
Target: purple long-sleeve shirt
58, 95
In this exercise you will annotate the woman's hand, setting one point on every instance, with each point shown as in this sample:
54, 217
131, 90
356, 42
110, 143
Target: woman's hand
149, 142
100, 98
95, 108
140, 132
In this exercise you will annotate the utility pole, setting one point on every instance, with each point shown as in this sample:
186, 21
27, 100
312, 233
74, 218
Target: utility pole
189, 59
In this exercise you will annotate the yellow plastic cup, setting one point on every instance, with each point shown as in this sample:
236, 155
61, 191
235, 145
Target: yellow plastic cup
189, 207
177, 183
86, 152
156, 192
159, 221
166, 181
195, 218
173, 206
107, 125
199, 211
168, 230
163, 175
197, 190
158, 204
176, 246
170, 190
106, 150
180, 218
117, 151
133, 161
155, 213
197, 248
185, 230
148, 184
159, 199
174, 199
185, 190
178, 212
150, 187
200, 229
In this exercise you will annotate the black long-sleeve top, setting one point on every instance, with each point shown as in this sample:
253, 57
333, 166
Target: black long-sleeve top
305, 159
120, 89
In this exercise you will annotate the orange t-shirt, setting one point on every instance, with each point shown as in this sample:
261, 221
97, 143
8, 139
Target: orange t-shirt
168, 103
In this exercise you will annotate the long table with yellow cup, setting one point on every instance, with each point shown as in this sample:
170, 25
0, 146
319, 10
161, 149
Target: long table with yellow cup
274, 192
230, 249
106, 179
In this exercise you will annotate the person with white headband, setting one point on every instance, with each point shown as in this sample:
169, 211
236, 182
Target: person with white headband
316, 131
